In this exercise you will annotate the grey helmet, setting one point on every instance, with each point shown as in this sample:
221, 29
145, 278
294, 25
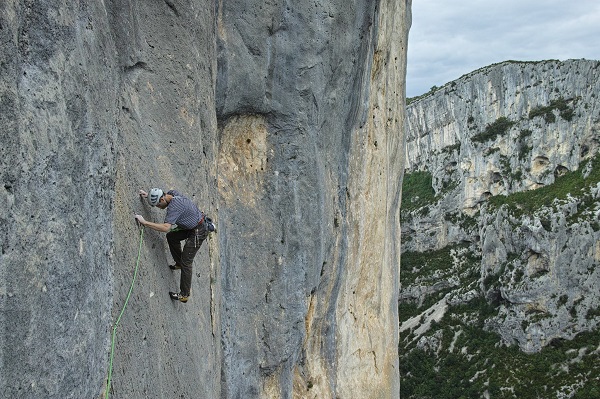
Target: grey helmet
154, 196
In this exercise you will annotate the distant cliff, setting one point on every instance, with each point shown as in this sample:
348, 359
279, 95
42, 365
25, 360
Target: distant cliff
500, 218
283, 121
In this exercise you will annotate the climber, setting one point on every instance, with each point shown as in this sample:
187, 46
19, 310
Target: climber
184, 221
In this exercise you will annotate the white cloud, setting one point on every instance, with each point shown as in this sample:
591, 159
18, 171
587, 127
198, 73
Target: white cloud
450, 39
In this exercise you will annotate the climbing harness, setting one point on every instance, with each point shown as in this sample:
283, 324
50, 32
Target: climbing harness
114, 334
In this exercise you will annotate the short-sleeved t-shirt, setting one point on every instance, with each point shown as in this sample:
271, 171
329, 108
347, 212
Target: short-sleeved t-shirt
182, 212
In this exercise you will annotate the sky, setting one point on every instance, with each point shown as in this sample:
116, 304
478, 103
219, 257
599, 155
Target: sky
448, 39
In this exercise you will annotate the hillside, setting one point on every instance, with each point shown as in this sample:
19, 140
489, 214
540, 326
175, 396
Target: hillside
501, 235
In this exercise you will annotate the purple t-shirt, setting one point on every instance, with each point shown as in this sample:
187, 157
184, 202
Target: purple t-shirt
182, 211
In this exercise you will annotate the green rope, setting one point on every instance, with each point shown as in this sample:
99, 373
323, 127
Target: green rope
114, 334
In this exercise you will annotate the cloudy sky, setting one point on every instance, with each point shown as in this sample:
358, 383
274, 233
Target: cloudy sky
451, 38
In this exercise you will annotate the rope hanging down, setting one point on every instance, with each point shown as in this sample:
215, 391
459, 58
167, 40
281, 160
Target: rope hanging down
114, 334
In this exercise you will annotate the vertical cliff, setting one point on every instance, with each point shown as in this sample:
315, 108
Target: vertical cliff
99, 100
282, 121
167, 138
58, 88
501, 230
309, 100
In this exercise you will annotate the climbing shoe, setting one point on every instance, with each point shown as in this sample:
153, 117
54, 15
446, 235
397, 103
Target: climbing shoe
178, 297
174, 267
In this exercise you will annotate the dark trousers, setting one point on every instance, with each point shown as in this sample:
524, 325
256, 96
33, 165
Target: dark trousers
193, 240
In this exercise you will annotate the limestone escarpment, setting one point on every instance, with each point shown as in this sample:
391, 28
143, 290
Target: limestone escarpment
501, 226
58, 138
446, 127
101, 99
167, 138
296, 295
309, 99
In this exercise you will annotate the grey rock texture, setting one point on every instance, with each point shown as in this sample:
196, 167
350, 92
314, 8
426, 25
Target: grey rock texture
100, 100
282, 121
59, 89
441, 127
167, 138
550, 277
542, 264
308, 100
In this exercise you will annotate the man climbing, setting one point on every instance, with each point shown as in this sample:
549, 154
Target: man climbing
184, 221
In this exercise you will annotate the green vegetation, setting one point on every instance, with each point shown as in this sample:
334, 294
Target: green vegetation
547, 112
524, 151
410, 100
462, 359
472, 361
451, 148
593, 313
525, 133
408, 310
466, 222
431, 267
526, 202
414, 264
448, 186
426, 265
497, 128
491, 151
524, 148
417, 190
459, 356
563, 300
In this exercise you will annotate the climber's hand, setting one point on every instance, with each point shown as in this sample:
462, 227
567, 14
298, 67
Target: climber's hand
143, 194
140, 219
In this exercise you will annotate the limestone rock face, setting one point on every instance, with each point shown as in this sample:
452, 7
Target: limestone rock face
548, 275
99, 100
534, 150
58, 87
284, 122
309, 100
503, 130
